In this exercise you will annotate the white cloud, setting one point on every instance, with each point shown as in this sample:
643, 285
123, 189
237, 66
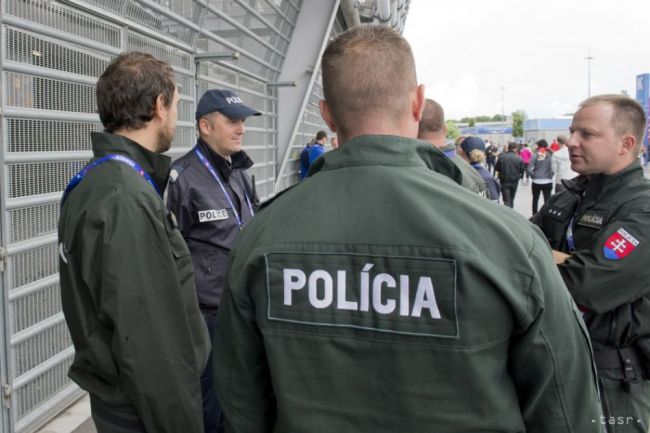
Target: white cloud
466, 50
456, 97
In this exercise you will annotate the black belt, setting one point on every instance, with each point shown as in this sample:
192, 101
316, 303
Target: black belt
624, 359
617, 358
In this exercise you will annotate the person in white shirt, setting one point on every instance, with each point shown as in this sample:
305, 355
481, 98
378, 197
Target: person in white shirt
562, 164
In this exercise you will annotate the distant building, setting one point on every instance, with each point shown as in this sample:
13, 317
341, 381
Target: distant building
548, 129
499, 133
643, 98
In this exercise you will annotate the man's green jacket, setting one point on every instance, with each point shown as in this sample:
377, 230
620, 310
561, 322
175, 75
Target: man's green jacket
128, 292
380, 296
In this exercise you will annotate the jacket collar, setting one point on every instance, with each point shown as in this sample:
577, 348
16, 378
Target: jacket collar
155, 164
239, 160
387, 150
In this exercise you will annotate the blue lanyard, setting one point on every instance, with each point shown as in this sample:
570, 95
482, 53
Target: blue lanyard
569, 236
77, 178
216, 177
450, 153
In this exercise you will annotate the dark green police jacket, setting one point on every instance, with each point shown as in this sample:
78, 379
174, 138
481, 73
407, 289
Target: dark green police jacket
128, 292
608, 274
378, 295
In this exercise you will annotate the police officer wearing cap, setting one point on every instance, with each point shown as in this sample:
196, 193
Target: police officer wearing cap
598, 229
213, 198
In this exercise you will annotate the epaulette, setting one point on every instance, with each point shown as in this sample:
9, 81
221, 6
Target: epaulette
176, 170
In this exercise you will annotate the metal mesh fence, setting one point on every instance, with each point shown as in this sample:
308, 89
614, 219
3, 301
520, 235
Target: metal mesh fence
52, 53
38, 349
29, 135
62, 18
31, 309
41, 389
32, 221
32, 265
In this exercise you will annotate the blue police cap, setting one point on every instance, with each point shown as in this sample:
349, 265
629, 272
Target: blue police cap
472, 143
226, 103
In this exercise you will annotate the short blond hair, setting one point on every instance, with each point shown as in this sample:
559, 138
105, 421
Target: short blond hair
367, 70
628, 117
433, 118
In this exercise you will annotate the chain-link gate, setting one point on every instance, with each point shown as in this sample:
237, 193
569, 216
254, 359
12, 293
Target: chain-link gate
52, 53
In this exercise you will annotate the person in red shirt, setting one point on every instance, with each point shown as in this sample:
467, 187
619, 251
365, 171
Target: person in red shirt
555, 146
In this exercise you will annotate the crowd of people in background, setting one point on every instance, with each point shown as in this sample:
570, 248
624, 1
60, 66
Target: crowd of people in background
542, 165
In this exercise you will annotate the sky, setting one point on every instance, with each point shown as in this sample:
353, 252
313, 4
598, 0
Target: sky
467, 50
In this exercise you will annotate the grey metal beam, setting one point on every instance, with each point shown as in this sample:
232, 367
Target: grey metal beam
36, 329
6, 416
301, 66
121, 19
242, 28
260, 18
54, 74
281, 14
31, 244
22, 157
33, 200
26, 113
33, 287
52, 362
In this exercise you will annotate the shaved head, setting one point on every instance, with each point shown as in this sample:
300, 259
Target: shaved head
433, 118
367, 71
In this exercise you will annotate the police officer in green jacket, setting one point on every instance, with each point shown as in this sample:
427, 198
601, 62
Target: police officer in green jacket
599, 231
127, 287
432, 128
363, 300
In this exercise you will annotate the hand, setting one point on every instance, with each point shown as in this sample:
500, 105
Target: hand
560, 257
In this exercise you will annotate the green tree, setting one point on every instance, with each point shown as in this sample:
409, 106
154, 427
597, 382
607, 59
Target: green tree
518, 123
471, 122
452, 130
498, 118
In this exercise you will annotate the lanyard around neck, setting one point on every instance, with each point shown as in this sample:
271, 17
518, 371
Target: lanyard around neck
569, 236
77, 178
216, 177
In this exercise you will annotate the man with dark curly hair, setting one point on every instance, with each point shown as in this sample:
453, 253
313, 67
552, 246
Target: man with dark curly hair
126, 275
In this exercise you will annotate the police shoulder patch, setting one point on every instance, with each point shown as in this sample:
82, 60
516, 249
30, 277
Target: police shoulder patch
592, 219
557, 213
619, 245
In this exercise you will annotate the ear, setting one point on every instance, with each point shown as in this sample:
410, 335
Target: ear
159, 108
629, 143
203, 124
417, 106
327, 116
